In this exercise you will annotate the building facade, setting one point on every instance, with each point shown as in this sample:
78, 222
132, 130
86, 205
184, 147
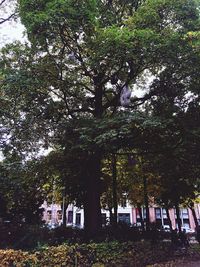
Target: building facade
53, 216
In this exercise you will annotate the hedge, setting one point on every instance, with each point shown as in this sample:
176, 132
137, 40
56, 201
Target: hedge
89, 255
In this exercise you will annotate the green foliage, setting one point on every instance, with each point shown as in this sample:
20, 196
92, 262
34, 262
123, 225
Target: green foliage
16, 258
52, 89
38, 14
160, 14
21, 191
95, 255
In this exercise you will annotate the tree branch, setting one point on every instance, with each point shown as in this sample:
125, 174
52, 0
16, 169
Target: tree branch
3, 20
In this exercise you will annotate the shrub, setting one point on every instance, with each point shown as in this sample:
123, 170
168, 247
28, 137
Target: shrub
17, 258
106, 254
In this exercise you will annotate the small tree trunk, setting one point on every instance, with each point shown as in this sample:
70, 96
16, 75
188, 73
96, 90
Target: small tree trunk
111, 215
178, 217
114, 188
64, 212
146, 202
169, 219
141, 217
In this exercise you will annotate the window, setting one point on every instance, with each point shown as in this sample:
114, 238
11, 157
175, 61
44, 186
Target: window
166, 221
49, 215
158, 213
185, 218
124, 217
78, 219
59, 215
164, 213
103, 219
185, 214
158, 217
186, 223
144, 213
138, 219
137, 213
70, 216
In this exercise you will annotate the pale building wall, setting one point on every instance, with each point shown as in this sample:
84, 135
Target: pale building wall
172, 217
53, 214
134, 215
152, 214
192, 223
54, 209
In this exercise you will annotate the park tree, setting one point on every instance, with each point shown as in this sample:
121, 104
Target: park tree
63, 173
67, 86
117, 181
22, 190
177, 158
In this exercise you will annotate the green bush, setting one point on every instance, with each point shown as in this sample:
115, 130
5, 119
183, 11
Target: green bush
106, 254
17, 258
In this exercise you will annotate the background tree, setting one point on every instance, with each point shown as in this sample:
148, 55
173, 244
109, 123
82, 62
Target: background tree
22, 191
116, 183
177, 157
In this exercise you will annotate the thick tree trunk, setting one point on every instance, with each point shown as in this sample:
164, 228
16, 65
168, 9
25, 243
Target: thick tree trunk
169, 219
92, 208
178, 217
114, 189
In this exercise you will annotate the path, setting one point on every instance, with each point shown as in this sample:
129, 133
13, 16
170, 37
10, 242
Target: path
181, 263
189, 264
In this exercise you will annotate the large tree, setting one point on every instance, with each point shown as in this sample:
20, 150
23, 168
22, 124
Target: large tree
64, 87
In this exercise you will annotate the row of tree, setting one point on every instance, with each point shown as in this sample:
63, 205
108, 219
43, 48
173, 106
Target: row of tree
62, 90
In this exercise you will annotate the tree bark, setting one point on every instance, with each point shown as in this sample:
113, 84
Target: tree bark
111, 215
141, 217
114, 189
64, 212
178, 217
146, 202
92, 208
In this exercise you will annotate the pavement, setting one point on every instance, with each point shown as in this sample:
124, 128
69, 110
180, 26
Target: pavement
188, 264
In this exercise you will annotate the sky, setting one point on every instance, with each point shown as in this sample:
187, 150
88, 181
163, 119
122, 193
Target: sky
11, 31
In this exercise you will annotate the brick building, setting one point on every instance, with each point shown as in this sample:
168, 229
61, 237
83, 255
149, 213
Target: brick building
75, 217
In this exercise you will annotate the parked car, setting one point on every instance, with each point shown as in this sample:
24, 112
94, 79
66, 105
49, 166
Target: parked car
188, 230
52, 226
166, 228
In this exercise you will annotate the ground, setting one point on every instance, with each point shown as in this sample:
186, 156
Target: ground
179, 263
